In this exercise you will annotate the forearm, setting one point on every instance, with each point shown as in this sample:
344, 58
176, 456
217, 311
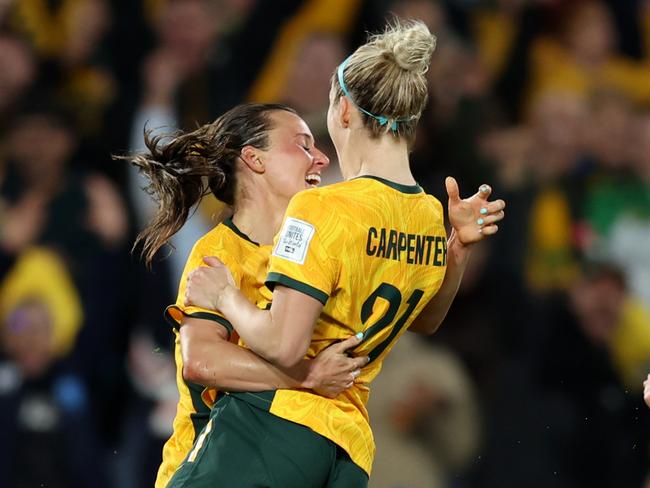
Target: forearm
280, 335
436, 310
254, 326
211, 360
227, 366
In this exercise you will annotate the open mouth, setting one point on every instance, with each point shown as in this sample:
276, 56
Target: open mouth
312, 179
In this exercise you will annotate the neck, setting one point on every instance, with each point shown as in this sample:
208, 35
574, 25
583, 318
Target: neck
384, 157
260, 218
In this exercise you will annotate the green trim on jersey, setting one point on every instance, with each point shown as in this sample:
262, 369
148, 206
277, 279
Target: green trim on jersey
198, 315
274, 278
409, 189
231, 225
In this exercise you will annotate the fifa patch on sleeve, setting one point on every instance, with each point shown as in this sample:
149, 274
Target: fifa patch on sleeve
294, 240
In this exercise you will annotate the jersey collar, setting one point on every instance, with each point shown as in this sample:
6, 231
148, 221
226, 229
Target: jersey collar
410, 189
231, 225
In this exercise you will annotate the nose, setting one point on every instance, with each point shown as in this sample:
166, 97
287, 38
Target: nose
320, 159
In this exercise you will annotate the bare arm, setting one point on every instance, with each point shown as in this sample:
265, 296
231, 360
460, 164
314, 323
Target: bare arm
280, 335
436, 310
210, 359
472, 220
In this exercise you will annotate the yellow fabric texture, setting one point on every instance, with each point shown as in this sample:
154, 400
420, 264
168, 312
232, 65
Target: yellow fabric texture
314, 16
338, 263
41, 274
247, 263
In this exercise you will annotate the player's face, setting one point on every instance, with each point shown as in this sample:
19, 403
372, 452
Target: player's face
292, 162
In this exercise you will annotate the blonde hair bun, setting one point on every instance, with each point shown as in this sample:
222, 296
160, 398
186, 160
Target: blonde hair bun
410, 43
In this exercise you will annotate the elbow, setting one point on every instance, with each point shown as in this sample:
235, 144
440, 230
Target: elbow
198, 372
428, 327
433, 328
191, 372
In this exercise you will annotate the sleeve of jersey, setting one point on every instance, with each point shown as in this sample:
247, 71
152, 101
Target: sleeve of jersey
302, 254
175, 313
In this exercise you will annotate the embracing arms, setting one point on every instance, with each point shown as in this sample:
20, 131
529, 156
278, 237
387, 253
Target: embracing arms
264, 331
211, 360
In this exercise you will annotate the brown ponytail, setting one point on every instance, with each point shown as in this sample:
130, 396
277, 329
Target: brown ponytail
185, 168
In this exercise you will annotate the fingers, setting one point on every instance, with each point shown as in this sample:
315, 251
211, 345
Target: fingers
484, 191
491, 219
359, 362
452, 189
493, 207
489, 230
349, 343
490, 214
212, 261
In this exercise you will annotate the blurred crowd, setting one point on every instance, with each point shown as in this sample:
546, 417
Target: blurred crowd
534, 379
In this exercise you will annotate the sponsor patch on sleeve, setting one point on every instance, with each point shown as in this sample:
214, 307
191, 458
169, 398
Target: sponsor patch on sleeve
294, 240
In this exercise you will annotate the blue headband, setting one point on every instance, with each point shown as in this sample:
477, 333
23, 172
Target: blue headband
380, 118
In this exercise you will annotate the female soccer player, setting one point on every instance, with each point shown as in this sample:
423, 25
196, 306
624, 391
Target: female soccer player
367, 256
254, 158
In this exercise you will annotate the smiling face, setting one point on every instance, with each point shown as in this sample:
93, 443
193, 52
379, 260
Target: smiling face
291, 162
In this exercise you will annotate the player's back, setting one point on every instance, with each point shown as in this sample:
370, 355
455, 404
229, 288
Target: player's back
374, 252
392, 260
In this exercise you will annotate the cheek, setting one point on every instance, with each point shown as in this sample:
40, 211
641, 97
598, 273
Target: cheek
287, 174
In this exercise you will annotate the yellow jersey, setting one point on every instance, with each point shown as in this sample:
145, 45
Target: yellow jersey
374, 253
247, 262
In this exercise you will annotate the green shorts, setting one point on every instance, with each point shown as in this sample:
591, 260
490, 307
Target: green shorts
244, 446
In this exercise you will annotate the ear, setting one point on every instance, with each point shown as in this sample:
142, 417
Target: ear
345, 109
252, 157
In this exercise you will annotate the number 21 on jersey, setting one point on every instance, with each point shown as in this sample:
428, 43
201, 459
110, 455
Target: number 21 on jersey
394, 298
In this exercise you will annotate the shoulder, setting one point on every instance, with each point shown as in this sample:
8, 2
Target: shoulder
434, 202
218, 239
333, 194
219, 242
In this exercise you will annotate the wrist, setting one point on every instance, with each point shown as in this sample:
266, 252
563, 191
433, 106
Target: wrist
223, 297
308, 374
457, 250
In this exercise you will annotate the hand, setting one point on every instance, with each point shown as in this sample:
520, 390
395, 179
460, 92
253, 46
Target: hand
646, 391
206, 284
475, 217
333, 371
